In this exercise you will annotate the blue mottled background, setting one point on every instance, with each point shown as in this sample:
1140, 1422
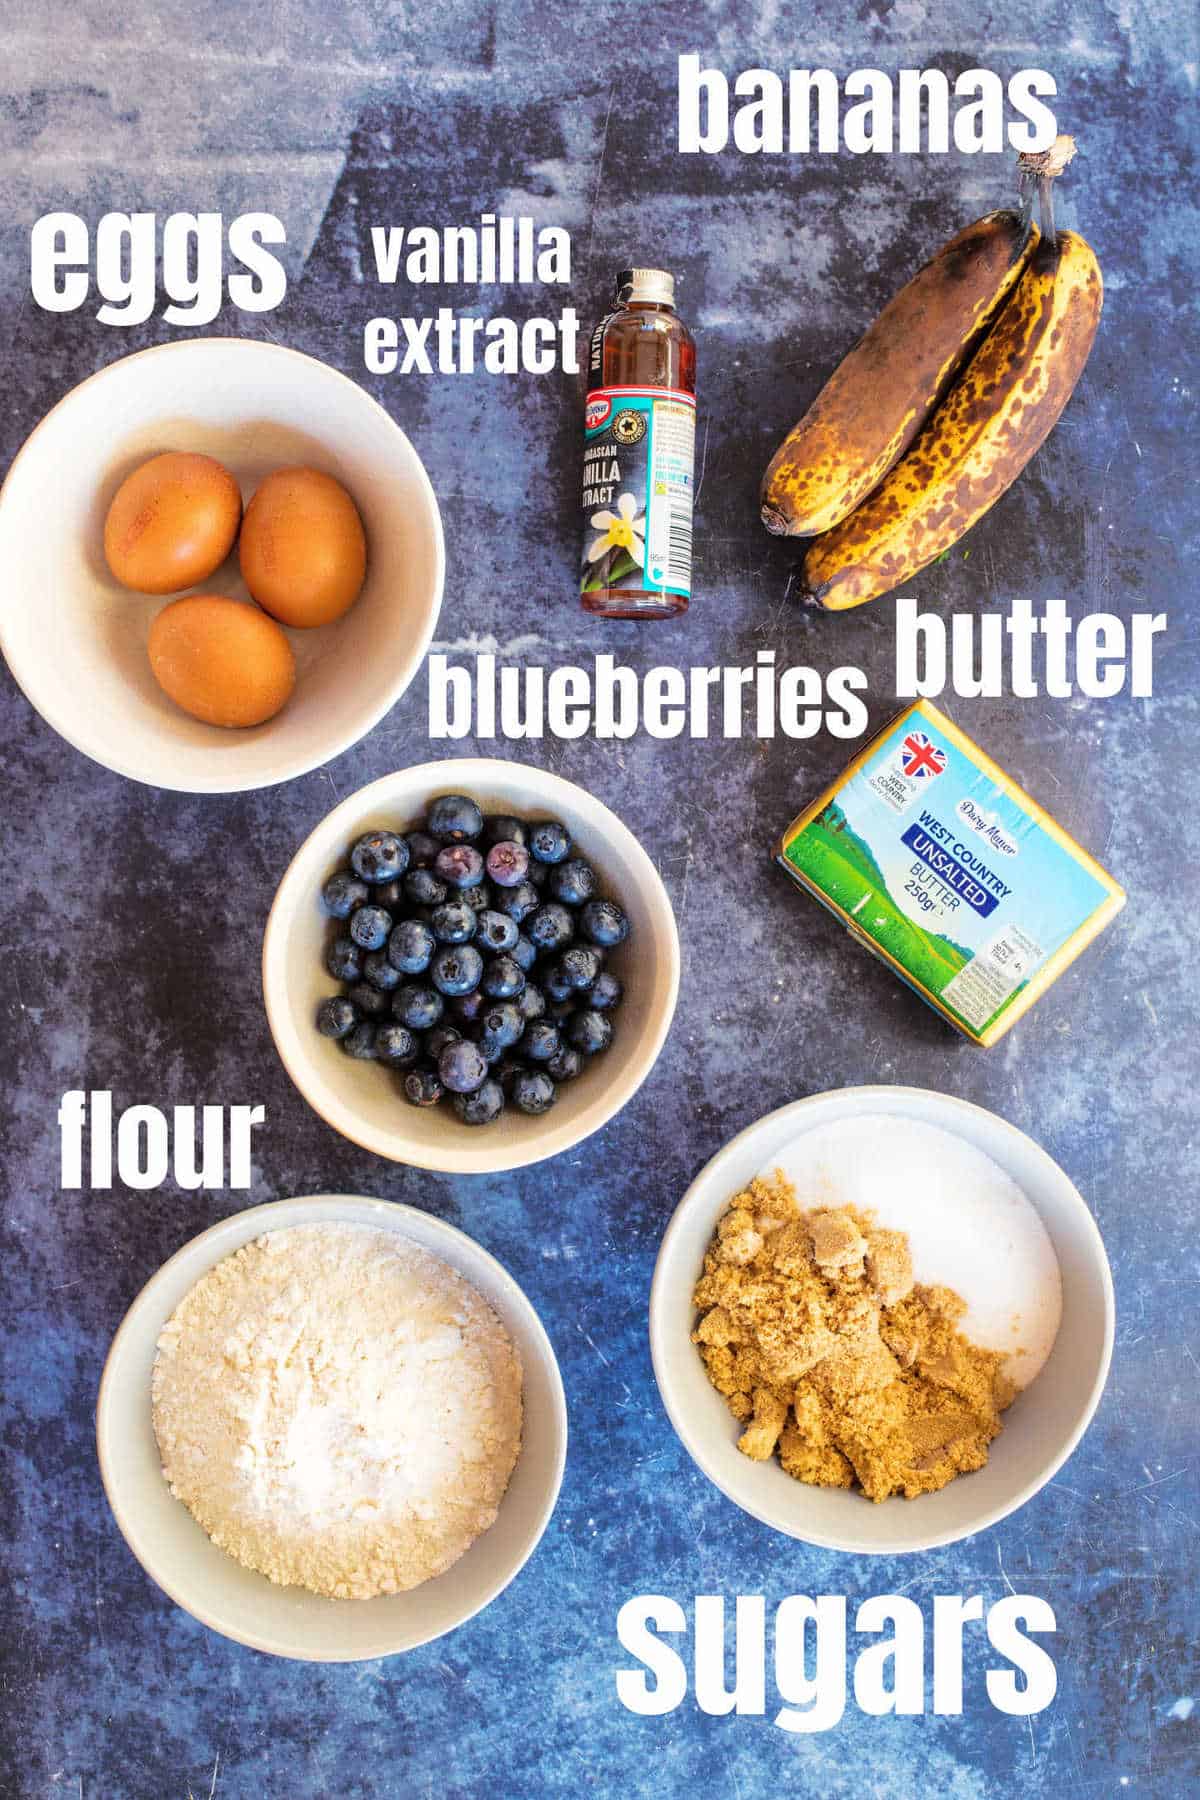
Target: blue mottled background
132, 921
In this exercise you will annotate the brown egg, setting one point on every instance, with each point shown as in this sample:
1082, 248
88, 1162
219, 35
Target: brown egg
303, 550
172, 522
221, 660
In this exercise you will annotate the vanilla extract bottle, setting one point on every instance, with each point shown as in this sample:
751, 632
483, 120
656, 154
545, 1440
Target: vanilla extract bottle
639, 455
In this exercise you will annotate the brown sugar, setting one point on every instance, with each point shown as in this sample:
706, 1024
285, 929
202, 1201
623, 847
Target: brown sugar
829, 1354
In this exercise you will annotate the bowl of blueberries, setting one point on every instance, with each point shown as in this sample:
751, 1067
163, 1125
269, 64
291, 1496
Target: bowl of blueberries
470, 966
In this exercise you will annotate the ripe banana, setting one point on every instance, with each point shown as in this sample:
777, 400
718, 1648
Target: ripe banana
995, 417
881, 394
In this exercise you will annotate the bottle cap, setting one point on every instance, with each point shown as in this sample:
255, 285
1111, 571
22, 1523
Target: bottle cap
655, 285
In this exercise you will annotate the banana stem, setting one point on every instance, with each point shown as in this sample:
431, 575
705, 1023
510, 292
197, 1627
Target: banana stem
1045, 188
1025, 186
1040, 170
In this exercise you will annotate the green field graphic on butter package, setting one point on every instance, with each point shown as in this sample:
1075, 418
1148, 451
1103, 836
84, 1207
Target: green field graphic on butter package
942, 866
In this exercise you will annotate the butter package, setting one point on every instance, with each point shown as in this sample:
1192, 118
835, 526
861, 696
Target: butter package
947, 870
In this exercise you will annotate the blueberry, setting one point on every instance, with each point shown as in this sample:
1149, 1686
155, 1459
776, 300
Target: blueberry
395, 1044
422, 1087
369, 1001
422, 888
503, 978
518, 902
380, 972
438, 1038
549, 841
507, 864
533, 1092
421, 849
602, 922
369, 927
606, 992
501, 1024
343, 959
539, 1041
500, 828
360, 1044
559, 1011
531, 1002
495, 931
389, 894
417, 1006
410, 947
573, 882
468, 1007
552, 927
379, 856
524, 953
456, 969
481, 1107
453, 922
580, 966
537, 873
342, 893
336, 1016
506, 1071
459, 866
557, 984
454, 818
479, 899
462, 1067
590, 1031
565, 1064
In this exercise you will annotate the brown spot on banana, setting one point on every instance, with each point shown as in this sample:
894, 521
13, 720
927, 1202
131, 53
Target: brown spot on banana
994, 419
881, 394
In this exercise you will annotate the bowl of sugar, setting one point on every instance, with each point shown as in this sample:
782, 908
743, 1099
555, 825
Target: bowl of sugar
332, 1428
987, 1216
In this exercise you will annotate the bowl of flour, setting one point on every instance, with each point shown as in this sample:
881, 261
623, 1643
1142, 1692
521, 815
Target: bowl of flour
332, 1428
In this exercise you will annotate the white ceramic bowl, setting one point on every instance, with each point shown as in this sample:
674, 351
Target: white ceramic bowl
363, 1100
76, 641
1041, 1428
287, 1621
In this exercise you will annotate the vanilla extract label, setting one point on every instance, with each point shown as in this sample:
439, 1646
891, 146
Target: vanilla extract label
638, 480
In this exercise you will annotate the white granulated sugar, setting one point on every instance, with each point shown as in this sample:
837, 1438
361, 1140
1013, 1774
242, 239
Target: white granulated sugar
338, 1409
969, 1226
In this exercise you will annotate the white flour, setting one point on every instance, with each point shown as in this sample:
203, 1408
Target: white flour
338, 1409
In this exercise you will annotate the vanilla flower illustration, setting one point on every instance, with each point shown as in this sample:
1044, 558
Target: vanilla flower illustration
622, 530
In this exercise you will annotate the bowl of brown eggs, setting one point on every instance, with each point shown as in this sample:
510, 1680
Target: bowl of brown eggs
223, 564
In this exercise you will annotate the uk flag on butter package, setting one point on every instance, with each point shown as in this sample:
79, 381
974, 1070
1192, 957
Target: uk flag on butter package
920, 757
